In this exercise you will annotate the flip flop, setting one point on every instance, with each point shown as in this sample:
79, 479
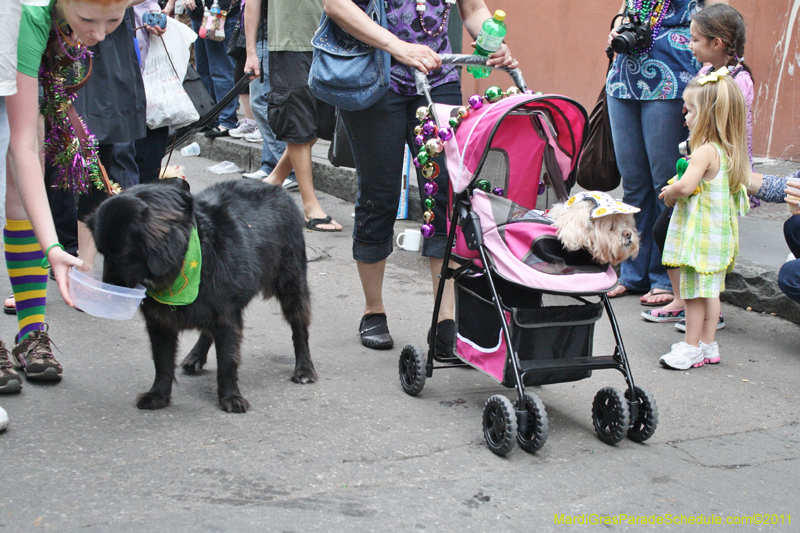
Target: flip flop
10, 306
625, 292
660, 303
314, 224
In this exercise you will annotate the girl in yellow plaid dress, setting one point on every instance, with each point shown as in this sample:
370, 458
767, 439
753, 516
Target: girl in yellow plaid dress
703, 234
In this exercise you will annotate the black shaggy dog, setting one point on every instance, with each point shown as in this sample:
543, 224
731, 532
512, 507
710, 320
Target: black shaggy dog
251, 237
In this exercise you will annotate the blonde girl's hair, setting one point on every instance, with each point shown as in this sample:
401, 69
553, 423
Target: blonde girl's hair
722, 120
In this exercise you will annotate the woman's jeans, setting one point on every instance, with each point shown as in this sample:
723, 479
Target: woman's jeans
215, 67
646, 138
379, 135
789, 274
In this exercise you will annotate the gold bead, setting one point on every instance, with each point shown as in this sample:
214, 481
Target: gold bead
422, 113
462, 112
513, 91
418, 130
433, 147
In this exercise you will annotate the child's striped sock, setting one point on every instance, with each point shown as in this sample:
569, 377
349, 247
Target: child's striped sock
28, 278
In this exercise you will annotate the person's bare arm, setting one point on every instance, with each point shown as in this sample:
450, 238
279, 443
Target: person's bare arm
474, 13
252, 19
26, 170
354, 21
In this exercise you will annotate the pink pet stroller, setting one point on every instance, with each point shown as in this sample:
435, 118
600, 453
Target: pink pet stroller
511, 265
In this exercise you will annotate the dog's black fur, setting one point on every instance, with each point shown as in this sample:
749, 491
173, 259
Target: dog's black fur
251, 236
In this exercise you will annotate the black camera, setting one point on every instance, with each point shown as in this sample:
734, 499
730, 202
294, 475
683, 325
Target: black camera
155, 19
632, 35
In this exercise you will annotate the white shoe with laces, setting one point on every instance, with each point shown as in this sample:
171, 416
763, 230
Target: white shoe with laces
683, 356
244, 128
254, 137
710, 354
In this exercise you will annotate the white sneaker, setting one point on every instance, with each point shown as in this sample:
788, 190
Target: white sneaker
683, 356
710, 354
257, 175
244, 128
3, 419
289, 184
254, 137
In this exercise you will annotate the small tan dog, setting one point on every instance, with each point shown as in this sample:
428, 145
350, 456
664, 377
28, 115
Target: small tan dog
596, 222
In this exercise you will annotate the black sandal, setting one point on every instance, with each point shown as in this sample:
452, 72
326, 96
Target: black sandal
443, 347
374, 332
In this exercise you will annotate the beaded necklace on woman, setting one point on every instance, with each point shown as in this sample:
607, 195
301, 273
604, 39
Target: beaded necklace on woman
76, 160
650, 12
422, 6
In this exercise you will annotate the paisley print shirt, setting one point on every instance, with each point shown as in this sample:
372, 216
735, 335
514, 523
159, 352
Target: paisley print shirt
663, 72
403, 21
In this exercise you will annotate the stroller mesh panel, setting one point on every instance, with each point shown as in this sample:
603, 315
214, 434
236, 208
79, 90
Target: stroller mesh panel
496, 168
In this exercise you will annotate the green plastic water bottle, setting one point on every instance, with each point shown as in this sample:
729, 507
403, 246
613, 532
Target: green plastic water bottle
489, 41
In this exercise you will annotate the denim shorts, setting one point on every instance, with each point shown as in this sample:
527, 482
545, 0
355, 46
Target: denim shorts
378, 136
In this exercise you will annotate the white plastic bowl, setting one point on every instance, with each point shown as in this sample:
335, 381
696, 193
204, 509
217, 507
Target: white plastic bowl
90, 294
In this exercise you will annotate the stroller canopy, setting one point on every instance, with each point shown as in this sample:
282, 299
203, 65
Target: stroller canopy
513, 142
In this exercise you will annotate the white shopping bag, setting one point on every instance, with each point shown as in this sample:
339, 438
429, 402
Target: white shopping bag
167, 101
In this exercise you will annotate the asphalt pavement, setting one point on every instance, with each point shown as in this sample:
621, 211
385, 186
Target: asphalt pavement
352, 452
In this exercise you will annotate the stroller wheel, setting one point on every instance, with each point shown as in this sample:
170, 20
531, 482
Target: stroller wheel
610, 415
643, 427
499, 424
412, 370
532, 435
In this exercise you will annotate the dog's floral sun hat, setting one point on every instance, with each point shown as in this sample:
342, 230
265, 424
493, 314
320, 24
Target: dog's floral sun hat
604, 204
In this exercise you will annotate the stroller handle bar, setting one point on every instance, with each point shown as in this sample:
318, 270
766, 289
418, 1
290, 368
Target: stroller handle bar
424, 88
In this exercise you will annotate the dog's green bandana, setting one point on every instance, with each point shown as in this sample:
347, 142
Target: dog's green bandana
184, 289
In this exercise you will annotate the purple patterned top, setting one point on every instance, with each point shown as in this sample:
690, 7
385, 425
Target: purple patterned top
402, 19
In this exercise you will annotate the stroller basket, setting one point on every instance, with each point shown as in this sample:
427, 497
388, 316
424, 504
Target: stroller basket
538, 332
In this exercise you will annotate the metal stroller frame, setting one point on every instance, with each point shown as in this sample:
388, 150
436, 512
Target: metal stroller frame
525, 422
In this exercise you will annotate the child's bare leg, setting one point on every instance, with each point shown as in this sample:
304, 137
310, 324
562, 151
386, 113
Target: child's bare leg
712, 310
675, 279
695, 318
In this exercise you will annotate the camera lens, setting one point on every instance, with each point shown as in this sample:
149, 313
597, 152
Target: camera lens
624, 42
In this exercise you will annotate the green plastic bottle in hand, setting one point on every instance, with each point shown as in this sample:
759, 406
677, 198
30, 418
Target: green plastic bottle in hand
489, 41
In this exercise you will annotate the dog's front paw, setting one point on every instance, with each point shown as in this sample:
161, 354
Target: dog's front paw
304, 375
234, 404
151, 400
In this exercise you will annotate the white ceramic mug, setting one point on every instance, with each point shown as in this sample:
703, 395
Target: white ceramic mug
409, 240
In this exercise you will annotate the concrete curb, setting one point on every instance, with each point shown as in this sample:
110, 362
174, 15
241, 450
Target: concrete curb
755, 286
749, 285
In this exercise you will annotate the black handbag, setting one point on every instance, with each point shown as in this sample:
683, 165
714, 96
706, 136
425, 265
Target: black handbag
340, 153
237, 46
597, 168
197, 92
